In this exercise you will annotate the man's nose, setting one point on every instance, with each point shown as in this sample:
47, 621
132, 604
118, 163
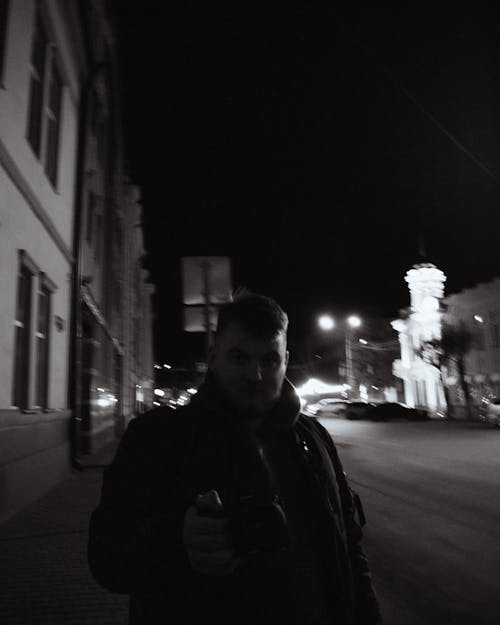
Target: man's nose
254, 371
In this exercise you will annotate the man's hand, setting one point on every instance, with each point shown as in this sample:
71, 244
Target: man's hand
206, 537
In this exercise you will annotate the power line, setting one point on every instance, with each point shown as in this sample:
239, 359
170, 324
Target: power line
382, 68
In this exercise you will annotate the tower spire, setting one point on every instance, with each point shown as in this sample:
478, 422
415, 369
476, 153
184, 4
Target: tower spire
422, 252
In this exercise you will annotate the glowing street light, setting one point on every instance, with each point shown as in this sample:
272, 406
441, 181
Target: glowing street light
326, 322
354, 321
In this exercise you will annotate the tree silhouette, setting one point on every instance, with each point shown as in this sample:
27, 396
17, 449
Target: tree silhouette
456, 340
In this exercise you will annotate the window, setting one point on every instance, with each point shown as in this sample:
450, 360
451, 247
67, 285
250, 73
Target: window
45, 102
38, 57
4, 11
53, 124
42, 345
22, 323
31, 348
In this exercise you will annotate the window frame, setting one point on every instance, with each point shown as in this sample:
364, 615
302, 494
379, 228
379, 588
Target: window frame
53, 114
23, 324
43, 338
4, 19
46, 100
37, 90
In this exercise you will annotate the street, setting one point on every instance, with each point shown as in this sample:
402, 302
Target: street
430, 495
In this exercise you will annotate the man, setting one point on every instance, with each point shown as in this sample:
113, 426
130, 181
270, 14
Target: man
234, 509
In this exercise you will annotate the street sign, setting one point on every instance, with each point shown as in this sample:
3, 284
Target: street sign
195, 318
206, 275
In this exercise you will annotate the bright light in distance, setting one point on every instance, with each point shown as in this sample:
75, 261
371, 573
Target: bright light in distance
326, 322
192, 391
157, 366
159, 392
354, 321
363, 342
156, 403
167, 366
478, 318
313, 386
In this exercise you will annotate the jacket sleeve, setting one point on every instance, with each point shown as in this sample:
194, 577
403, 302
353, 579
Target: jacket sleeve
135, 533
365, 600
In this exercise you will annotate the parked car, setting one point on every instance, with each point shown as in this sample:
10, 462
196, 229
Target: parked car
393, 410
326, 407
357, 409
491, 411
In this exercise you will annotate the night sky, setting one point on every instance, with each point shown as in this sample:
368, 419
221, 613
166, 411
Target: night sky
315, 147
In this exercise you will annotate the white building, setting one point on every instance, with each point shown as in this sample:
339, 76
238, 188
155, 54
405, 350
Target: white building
75, 301
40, 65
422, 381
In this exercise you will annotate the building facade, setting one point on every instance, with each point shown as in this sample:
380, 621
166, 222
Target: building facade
39, 95
66, 222
138, 394
478, 309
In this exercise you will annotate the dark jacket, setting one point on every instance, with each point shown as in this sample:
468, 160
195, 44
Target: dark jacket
164, 460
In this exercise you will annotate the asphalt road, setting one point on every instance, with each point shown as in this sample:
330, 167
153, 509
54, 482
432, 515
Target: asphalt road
431, 494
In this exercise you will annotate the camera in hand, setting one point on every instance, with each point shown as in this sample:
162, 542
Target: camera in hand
258, 525
257, 521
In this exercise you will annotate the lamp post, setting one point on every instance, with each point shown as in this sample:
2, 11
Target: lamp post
352, 322
327, 323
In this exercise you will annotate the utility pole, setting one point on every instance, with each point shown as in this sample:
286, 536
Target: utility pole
205, 266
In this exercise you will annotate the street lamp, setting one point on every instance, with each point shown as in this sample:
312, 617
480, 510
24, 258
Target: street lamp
327, 322
352, 322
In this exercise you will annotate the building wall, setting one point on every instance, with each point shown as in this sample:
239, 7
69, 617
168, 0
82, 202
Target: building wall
479, 309
112, 290
42, 212
139, 380
36, 221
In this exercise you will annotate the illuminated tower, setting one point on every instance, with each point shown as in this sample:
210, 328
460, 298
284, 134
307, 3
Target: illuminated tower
422, 381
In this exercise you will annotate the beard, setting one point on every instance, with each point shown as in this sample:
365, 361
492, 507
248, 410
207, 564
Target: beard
254, 402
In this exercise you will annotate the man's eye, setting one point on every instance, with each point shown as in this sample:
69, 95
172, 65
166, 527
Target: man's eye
272, 361
239, 358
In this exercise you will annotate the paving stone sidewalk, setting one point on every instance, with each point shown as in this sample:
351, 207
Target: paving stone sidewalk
44, 576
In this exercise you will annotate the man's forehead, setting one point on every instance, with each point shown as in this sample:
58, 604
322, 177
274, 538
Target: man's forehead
235, 335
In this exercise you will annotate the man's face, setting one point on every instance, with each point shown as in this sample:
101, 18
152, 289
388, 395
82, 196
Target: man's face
249, 370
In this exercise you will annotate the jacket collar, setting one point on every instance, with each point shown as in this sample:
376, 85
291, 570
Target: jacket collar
283, 415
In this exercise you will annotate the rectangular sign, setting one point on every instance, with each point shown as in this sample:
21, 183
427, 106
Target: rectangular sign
195, 318
202, 275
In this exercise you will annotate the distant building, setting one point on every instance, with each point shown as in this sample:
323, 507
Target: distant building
139, 382
422, 381
68, 247
478, 308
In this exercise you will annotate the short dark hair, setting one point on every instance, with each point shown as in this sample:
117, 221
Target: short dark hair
258, 314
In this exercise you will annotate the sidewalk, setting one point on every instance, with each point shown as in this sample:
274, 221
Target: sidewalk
44, 575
